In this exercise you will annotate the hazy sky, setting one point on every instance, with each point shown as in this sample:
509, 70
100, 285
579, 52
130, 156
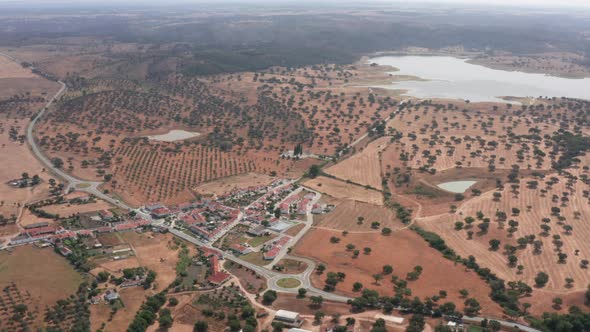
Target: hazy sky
535, 3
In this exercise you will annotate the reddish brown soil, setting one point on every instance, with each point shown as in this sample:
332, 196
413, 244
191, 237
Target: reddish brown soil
403, 250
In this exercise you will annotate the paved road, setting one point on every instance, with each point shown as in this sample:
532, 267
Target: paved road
504, 323
90, 187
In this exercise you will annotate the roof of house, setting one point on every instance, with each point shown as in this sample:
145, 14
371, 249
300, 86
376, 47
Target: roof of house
41, 230
161, 211
238, 247
105, 213
287, 314
272, 253
218, 277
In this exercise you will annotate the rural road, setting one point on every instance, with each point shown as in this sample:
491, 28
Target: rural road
91, 187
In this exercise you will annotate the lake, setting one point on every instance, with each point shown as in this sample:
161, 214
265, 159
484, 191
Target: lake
454, 78
458, 187
174, 135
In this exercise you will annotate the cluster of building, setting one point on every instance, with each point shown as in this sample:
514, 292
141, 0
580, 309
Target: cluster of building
258, 211
50, 233
108, 296
239, 196
208, 219
275, 248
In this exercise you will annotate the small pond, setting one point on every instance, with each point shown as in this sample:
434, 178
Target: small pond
458, 187
174, 135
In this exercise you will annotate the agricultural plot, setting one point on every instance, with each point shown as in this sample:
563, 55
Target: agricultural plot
69, 209
355, 216
403, 251
162, 176
535, 212
363, 168
343, 190
18, 160
229, 183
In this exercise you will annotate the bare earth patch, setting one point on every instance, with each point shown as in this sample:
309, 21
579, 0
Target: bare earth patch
341, 189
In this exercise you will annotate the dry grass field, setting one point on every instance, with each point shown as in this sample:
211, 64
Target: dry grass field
17, 160
11, 69
364, 167
341, 189
346, 214
227, 184
155, 251
132, 297
66, 210
403, 251
40, 272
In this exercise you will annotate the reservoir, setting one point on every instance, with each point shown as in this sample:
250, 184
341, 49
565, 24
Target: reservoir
453, 78
174, 135
457, 187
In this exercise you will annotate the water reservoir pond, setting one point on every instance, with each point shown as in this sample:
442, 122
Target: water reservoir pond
454, 78
174, 135
458, 187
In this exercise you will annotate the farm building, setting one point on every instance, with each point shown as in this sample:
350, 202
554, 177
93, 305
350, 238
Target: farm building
111, 295
289, 318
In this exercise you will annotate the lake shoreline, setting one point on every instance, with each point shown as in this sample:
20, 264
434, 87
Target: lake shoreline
452, 77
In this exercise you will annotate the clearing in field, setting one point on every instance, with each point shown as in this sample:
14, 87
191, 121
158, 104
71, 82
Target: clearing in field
364, 167
344, 190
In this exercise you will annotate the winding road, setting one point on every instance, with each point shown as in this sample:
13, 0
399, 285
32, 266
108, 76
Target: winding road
90, 187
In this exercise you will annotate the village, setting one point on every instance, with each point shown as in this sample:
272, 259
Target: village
257, 222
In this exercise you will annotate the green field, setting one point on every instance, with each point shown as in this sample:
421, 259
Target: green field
288, 283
